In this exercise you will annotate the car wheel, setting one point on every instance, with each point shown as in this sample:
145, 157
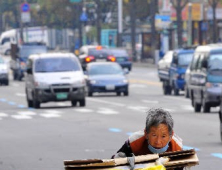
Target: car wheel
6, 82
82, 103
126, 93
206, 106
176, 91
118, 93
29, 102
90, 93
186, 91
220, 117
36, 103
197, 107
74, 102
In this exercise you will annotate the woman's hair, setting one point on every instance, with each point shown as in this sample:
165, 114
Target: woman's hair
157, 116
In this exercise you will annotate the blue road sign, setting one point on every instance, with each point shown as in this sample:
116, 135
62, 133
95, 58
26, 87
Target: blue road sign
83, 17
25, 7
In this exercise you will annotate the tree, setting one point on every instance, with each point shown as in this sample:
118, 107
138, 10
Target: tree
179, 5
213, 4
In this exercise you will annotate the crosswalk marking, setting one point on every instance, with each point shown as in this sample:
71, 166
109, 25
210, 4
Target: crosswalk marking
107, 111
3, 115
83, 110
21, 117
138, 108
27, 113
50, 115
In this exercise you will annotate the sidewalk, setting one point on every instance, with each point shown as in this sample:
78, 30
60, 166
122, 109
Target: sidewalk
144, 64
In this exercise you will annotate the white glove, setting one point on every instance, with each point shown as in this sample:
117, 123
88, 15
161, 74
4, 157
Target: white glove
120, 155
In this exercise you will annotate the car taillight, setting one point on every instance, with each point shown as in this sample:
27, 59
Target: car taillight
89, 59
111, 58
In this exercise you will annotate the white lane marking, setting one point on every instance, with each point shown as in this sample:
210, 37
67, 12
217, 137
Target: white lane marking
21, 117
50, 115
169, 110
27, 113
138, 108
15, 84
107, 111
150, 101
188, 108
106, 102
3, 115
20, 94
53, 111
84, 110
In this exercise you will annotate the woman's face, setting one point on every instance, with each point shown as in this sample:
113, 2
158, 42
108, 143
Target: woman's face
158, 136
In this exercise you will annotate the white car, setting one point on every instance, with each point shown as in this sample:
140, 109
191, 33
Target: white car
165, 62
4, 72
54, 77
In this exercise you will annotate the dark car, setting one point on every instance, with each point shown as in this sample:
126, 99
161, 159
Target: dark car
106, 77
90, 54
205, 80
120, 56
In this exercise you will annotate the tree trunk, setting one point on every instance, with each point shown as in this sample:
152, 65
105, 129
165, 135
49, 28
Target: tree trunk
179, 24
133, 32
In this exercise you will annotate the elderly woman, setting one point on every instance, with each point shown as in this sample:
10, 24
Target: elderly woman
157, 137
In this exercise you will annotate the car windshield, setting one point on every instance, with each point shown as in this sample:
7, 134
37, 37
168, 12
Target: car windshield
121, 53
56, 65
105, 69
185, 59
98, 53
215, 64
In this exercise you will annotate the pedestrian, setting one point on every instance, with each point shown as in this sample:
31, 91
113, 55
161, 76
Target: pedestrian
157, 137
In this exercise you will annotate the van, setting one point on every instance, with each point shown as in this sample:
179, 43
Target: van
54, 77
205, 80
6, 39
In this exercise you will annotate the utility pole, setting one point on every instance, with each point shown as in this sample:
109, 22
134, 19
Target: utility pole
213, 4
153, 27
120, 22
133, 27
98, 21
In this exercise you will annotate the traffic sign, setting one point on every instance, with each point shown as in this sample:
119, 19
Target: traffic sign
75, 1
25, 7
83, 17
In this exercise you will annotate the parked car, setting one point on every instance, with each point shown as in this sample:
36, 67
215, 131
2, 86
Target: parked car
165, 62
4, 72
173, 78
54, 77
206, 77
106, 77
120, 56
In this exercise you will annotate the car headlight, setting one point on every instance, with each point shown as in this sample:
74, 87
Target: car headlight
41, 84
92, 81
79, 82
125, 81
3, 71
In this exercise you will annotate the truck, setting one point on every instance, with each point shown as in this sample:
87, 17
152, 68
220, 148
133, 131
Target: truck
173, 77
20, 55
30, 34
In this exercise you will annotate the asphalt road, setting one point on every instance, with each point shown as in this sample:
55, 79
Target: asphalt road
40, 139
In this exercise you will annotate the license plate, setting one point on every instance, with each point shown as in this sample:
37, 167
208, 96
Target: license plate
61, 96
110, 87
100, 60
120, 59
